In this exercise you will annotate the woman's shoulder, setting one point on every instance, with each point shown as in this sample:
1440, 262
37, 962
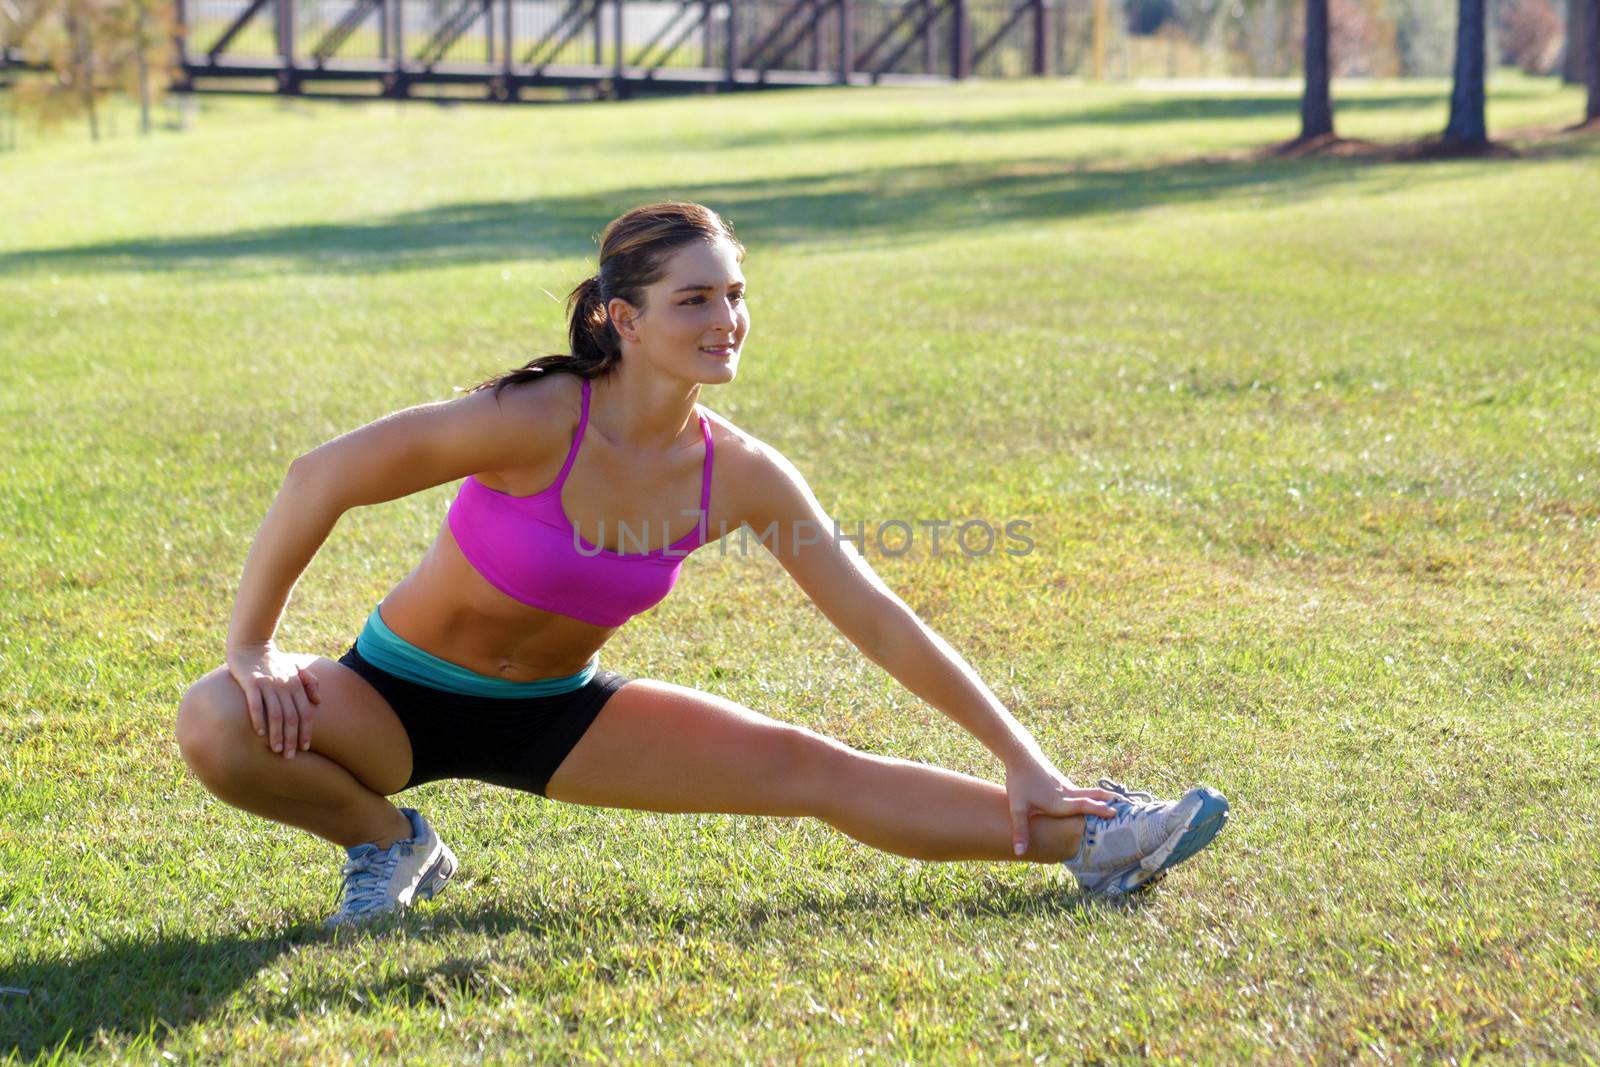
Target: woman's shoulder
539, 417
548, 394
745, 465
736, 448
548, 406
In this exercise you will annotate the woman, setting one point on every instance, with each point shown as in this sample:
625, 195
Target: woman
482, 663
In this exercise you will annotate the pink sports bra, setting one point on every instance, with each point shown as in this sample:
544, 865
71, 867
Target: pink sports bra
525, 547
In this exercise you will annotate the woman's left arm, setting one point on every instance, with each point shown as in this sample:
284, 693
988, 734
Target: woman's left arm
781, 508
926, 664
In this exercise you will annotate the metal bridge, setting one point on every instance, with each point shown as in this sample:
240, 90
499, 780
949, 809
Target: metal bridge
508, 50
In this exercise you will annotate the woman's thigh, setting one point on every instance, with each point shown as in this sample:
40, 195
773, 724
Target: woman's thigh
352, 725
656, 746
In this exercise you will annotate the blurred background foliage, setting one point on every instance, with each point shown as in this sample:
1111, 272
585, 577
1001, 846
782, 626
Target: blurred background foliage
1369, 38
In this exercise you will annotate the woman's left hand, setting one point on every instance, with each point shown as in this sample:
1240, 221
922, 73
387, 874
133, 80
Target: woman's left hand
1035, 787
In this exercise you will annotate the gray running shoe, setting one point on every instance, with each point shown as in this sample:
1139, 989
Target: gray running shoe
378, 881
1134, 850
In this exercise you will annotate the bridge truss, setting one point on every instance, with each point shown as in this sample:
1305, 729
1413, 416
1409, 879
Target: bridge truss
505, 49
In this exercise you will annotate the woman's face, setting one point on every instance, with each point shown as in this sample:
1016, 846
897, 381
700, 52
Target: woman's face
694, 320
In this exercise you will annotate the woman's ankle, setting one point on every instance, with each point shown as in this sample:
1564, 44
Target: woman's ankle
397, 827
1053, 838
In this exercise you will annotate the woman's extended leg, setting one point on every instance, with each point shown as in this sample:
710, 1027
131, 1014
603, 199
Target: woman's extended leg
662, 747
359, 752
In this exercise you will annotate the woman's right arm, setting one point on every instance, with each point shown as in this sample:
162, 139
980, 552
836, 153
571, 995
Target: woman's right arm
398, 455
278, 695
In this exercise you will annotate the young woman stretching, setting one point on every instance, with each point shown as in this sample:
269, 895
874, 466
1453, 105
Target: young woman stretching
482, 663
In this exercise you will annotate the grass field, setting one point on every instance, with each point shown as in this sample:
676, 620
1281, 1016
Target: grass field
1310, 450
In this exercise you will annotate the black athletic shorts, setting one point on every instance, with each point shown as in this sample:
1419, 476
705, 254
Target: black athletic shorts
512, 741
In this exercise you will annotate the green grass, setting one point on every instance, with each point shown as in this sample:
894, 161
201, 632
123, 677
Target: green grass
1310, 453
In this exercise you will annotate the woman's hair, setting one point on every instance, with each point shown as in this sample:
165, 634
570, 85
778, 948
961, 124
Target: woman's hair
634, 250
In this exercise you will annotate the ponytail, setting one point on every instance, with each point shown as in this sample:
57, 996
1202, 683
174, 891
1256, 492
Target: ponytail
589, 330
595, 346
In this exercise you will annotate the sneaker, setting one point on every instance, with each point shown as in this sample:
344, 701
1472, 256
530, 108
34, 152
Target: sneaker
1148, 837
380, 880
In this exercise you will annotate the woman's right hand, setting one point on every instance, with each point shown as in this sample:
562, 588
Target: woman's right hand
279, 694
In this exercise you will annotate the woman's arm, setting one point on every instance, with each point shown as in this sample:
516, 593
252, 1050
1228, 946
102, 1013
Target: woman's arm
298, 522
924, 663
842, 585
396, 456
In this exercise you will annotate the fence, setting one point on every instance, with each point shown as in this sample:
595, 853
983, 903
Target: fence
509, 45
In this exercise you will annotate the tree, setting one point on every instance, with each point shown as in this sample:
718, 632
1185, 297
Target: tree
16, 19
1591, 37
1576, 65
61, 38
1530, 36
139, 45
89, 48
1466, 128
1316, 104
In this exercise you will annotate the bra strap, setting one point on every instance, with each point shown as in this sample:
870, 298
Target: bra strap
577, 438
705, 482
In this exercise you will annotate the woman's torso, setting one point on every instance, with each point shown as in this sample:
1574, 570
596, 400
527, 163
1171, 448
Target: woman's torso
447, 608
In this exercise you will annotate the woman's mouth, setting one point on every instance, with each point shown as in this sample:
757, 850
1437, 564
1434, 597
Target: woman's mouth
719, 351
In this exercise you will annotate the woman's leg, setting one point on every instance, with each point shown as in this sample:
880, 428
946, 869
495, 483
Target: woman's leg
662, 747
359, 752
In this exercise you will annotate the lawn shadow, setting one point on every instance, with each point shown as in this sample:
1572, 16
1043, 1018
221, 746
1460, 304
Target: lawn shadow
1157, 107
883, 206
129, 987
473, 974
887, 206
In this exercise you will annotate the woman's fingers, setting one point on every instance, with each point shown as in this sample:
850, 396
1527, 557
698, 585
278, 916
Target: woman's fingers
291, 722
274, 719
1082, 804
312, 697
1019, 825
313, 687
302, 707
1090, 806
258, 716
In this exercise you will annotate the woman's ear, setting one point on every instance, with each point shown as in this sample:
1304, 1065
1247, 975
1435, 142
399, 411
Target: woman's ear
622, 316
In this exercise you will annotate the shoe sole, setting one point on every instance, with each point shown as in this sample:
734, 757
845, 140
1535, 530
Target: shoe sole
436, 877
1195, 835
1205, 824
1208, 821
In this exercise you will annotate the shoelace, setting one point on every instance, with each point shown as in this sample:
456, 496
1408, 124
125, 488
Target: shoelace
367, 876
1134, 804
1131, 794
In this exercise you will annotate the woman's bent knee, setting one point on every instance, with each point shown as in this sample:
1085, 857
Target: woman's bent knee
213, 726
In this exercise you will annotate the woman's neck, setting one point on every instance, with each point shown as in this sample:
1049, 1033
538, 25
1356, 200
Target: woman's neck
644, 414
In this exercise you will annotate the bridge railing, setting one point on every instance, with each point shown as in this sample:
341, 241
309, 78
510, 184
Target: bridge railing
746, 39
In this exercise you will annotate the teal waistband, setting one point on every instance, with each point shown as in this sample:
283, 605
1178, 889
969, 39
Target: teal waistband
388, 651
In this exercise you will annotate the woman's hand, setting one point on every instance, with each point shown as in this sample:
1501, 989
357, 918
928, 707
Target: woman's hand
279, 694
1034, 786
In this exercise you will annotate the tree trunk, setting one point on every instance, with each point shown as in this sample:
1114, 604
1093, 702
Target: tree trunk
1466, 125
88, 87
1316, 105
1591, 38
77, 26
1575, 65
142, 58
